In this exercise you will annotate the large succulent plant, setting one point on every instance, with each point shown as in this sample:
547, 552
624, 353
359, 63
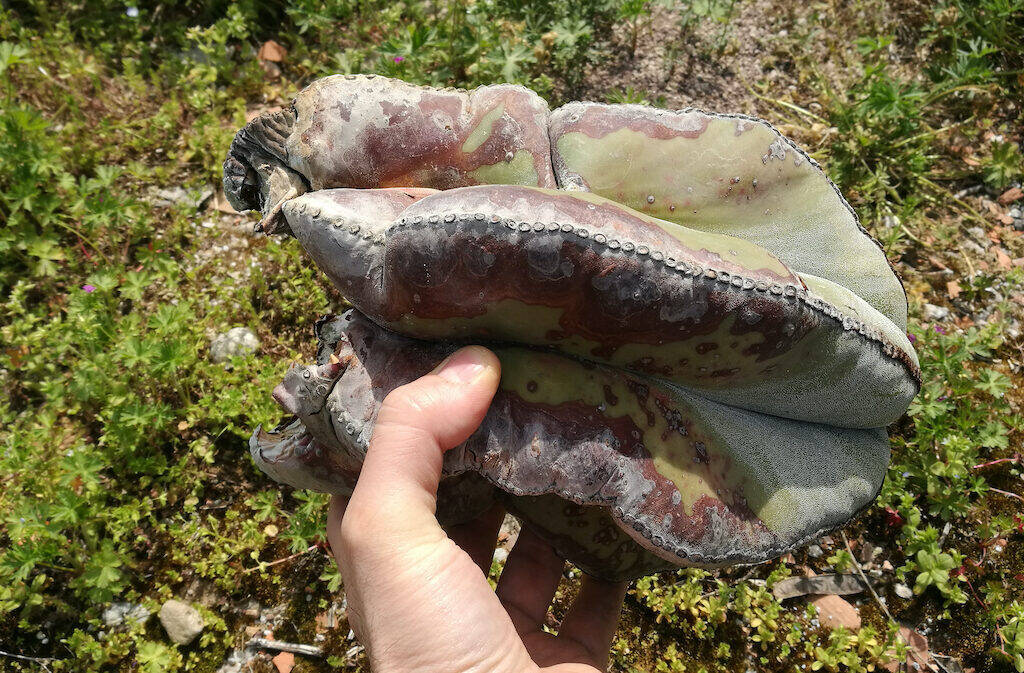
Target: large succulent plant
701, 347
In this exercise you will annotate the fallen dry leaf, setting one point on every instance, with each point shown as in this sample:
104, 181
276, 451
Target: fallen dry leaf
1004, 218
284, 661
918, 648
1004, 260
953, 289
835, 611
1010, 195
793, 587
272, 51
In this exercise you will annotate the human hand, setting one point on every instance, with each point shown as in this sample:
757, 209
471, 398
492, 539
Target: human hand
418, 598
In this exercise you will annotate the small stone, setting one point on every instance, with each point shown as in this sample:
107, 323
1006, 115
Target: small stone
181, 621
867, 552
835, 611
174, 196
934, 313
903, 591
238, 661
237, 341
272, 51
970, 246
814, 551
124, 613
271, 70
284, 662
978, 234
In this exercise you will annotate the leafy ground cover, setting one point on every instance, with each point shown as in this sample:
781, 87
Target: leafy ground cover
123, 468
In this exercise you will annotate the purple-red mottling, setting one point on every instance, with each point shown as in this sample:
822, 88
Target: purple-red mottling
408, 147
464, 268
597, 121
522, 446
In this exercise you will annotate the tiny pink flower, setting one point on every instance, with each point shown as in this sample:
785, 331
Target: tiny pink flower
399, 59
940, 330
89, 288
911, 337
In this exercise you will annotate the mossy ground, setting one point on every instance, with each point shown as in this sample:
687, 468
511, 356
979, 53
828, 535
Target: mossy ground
124, 473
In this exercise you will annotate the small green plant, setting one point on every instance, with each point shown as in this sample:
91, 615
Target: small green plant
637, 15
1005, 165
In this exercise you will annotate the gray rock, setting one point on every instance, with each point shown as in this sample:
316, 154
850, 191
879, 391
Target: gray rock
972, 247
237, 341
977, 233
932, 313
238, 661
814, 551
173, 196
124, 613
181, 621
903, 591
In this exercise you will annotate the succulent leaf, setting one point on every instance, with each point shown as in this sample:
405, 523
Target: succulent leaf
729, 174
700, 344
597, 280
684, 480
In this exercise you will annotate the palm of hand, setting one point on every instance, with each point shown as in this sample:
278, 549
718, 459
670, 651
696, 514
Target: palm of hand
418, 596
440, 615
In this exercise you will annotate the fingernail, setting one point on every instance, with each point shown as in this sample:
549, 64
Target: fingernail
463, 366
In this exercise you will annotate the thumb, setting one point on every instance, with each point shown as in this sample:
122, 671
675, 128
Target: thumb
397, 488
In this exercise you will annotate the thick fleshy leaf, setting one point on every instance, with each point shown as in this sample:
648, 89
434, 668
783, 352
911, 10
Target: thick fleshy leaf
625, 476
729, 174
366, 132
695, 372
598, 280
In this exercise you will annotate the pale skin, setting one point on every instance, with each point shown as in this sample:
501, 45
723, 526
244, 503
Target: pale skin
418, 597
